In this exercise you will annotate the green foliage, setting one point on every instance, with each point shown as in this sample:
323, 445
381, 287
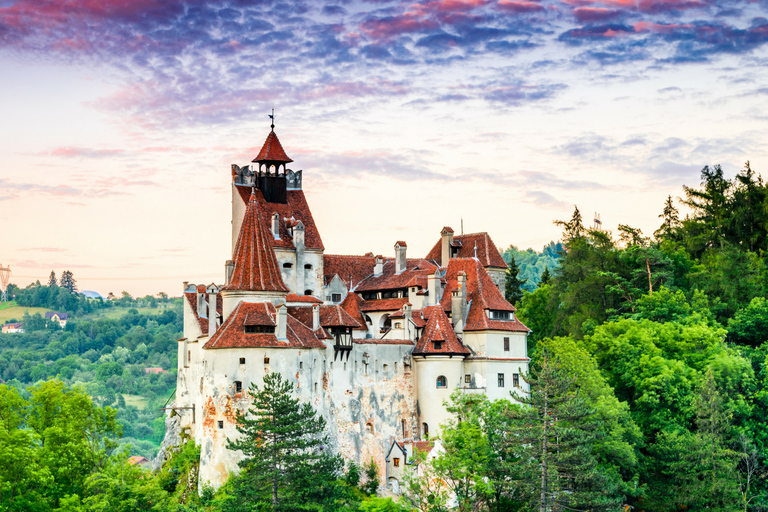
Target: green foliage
513, 285
749, 326
287, 463
532, 265
372, 482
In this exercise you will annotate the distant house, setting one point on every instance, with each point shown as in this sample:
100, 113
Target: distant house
138, 460
13, 328
57, 317
154, 370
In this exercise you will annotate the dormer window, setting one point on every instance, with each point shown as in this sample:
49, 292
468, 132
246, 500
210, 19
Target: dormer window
501, 315
438, 344
254, 329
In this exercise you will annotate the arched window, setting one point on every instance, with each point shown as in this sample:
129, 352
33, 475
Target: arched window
442, 382
238, 386
369, 427
307, 292
425, 429
368, 319
307, 266
287, 265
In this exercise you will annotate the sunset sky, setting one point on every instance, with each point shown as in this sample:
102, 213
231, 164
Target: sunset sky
119, 120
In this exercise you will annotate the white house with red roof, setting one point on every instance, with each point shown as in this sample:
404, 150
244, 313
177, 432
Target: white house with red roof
375, 344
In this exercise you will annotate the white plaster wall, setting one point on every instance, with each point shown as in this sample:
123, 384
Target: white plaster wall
430, 397
494, 344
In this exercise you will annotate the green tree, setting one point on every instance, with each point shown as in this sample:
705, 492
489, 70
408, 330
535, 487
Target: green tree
52, 280
68, 282
513, 285
546, 275
287, 462
554, 433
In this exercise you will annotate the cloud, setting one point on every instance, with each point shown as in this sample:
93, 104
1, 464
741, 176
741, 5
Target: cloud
520, 7
593, 14
541, 198
550, 180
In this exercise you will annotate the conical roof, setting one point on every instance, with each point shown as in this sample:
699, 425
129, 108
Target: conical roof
255, 264
272, 151
439, 329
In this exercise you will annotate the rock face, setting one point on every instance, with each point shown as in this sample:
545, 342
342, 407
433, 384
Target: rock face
171, 440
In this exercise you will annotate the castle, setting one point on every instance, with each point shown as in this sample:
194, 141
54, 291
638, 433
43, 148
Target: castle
375, 343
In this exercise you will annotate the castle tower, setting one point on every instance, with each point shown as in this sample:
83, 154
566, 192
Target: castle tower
439, 360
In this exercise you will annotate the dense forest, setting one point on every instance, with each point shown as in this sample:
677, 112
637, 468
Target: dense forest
648, 391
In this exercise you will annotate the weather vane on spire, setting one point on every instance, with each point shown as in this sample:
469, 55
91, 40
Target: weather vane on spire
272, 117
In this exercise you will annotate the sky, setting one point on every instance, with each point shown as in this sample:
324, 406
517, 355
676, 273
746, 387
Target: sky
119, 120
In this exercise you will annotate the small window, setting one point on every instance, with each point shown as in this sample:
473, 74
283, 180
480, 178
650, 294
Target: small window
301, 365
307, 292
287, 265
189, 355
386, 367
307, 267
252, 329
501, 380
398, 325
369, 428
438, 345
242, 360
336, 297
506, 344
442, 382
395, 367
238, 386
368, 319
467, 378
221, 423
315, 387
396, 462
516, 380
403, 425
266, 360
425, 429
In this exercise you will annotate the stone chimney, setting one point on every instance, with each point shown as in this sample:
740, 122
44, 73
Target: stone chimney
459, 303
281, 329
400, 262
212, 317
378, 269
433, 284
229, 266
316, 317
446, 236
407, 316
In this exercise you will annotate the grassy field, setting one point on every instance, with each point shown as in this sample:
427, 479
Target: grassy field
9, 312
136, 400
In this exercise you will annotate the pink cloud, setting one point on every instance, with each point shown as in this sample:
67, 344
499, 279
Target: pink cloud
520, 7
643, 5
590, 14
647, 26
387, 28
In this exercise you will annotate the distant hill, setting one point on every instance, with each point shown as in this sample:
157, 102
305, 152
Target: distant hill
92, 295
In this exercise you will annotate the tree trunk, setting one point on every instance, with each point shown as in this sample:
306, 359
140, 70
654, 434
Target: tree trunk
650, 285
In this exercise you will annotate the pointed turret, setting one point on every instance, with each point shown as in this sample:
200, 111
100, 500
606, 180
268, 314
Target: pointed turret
255, 264
439, 337
272, 152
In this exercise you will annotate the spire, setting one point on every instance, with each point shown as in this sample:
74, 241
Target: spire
255, 264
272, 152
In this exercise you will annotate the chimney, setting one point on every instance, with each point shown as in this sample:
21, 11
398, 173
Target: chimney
229, 267
186, 284
281, 329
459, 303
400, 261
212, 317
276, 226
316, 317
378, 269
433, 282
407, 316
201, 302
447, 239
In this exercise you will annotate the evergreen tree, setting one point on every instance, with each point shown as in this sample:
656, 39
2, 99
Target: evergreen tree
68, 282
546, 276
670, 221
52, 279
513, 285
554, 435
287, 464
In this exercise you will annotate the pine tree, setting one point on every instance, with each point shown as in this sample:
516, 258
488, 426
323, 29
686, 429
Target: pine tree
68, 282
546, 276
287, 462
513, 285
670, 221
554, 435
52, 279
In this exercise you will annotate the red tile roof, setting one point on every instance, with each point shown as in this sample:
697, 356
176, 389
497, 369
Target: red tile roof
272, 151
232, 333
330, 316
256, 267
309, 299
383, 304
352, 304
487, 252
482, 295
202, 321
350, 269
295, 207
439, 329
416, 274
